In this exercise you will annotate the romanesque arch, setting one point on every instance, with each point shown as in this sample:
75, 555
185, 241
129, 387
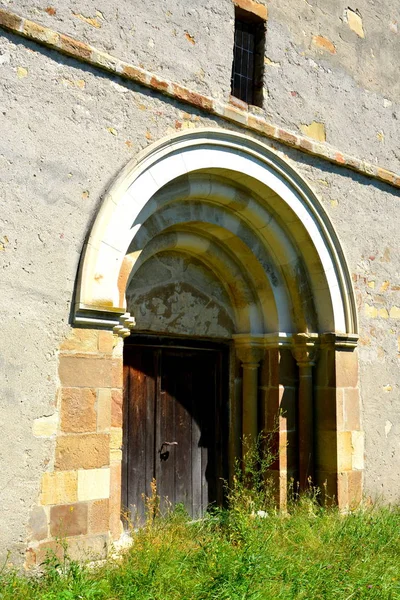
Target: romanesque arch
231, 208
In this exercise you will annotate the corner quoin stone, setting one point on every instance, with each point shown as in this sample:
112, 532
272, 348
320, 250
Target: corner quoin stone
89, 451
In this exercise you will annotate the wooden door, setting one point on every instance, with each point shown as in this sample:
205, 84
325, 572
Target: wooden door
174, 426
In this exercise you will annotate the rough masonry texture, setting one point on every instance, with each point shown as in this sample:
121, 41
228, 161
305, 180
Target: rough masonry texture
84, 90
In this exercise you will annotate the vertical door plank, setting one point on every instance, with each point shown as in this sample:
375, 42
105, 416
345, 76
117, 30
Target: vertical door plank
199, 437
165, 432
182, 369
140, 427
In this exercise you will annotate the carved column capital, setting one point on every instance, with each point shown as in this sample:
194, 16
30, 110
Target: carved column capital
305, 349
249, 349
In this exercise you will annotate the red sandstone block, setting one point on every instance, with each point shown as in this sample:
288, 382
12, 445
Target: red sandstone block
135, 74
69, 519
78, 414
159, 84
74, 47
288, 138
183, 93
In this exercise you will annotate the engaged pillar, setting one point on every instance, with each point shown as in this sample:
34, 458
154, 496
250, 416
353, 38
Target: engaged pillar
250, 351
304, 352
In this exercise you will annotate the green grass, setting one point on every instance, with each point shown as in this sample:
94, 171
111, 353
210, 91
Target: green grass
309, 552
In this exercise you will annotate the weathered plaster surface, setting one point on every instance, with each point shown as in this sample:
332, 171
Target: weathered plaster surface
173, 293
317, 68
67, 130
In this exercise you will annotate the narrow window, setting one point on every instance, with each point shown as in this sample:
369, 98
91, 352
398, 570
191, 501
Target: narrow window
248, 57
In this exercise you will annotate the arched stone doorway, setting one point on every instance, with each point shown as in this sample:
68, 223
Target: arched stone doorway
210, 236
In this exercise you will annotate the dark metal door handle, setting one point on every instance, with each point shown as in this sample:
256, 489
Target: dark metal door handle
166, 444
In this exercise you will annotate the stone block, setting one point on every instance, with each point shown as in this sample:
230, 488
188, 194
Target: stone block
45, 426
354, 488
345, 451
274, 358
93, 484
115, 445
269, 402
263, 371
327, 482
261, 125
78, 414
81, 340
288, 451
342, 491
69, 519
9, 20
90, 548
351, 404
328, 406
99, 516
106, 342
86, 451
117, 373
86, 371
326, 450
357, 442
75, 48
37, 554
325, 369
104, 407
60, 487
115, 500
116, 408
38, 524
254, 7
288, 371
347, 368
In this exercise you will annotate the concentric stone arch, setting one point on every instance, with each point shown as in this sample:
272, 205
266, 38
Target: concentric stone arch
245, 180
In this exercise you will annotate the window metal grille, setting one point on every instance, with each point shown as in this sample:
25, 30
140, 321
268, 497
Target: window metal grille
242, 83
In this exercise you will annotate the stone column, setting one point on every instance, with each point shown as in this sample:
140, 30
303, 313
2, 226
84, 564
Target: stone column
304, 352
250, 351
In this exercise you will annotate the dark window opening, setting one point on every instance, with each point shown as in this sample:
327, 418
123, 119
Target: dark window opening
248, 58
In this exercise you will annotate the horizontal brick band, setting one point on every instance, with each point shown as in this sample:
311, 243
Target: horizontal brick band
239, 116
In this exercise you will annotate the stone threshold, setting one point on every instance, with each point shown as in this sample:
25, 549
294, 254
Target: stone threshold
225, 110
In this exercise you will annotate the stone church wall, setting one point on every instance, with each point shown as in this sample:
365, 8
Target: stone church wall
67, 129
